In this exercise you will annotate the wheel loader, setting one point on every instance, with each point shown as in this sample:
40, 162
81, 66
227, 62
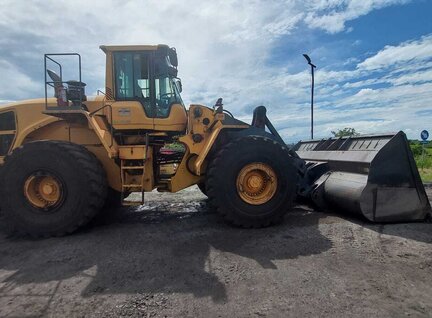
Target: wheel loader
67, 157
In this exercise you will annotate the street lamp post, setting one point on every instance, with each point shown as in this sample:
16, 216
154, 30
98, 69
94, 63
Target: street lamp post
312, 89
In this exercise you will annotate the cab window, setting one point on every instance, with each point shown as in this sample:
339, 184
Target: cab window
132, 77
166, 95
141, 76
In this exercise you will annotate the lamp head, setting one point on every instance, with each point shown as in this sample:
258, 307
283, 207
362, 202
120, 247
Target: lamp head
308, 59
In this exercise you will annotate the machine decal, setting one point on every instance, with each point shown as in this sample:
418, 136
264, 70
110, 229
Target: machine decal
124, 112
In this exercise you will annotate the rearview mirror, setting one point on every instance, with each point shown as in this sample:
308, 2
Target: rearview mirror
172, 54
178, 84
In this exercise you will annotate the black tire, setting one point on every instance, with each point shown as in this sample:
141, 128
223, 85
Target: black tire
113, 200
225, 168
111, 210
79, 173
202, 187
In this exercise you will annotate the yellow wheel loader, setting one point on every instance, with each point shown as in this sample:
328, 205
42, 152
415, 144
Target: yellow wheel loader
64, 158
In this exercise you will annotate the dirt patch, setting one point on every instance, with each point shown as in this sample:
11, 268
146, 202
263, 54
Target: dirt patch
174, 257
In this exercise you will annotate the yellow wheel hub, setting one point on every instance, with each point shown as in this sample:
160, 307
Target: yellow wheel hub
43, 191
256, 183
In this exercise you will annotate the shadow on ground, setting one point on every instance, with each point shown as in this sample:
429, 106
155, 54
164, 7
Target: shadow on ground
161, 247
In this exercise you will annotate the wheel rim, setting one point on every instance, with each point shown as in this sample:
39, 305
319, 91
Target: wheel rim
43, 191
256, 183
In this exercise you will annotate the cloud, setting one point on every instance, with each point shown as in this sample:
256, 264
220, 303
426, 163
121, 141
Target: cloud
412, 78
218, 40
391, 56
225, 50
383, 93
21, 85
331, 15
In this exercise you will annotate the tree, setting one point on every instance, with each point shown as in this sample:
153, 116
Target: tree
346, 132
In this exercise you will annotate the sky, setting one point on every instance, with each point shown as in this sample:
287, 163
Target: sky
373, 57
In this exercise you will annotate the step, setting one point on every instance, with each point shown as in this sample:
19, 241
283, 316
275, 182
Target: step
132, 167
132, 203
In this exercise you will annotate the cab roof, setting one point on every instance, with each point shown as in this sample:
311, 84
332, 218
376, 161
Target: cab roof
114, 48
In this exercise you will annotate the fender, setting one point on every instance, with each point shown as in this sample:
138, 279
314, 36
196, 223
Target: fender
32, 124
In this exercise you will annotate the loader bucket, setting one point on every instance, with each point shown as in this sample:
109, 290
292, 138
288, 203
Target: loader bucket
374, 176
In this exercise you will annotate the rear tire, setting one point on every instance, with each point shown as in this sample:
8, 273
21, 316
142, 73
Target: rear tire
276, 183
111, 210
51, 188
113, 200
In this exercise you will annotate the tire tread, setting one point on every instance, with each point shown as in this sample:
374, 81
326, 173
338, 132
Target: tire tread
96, 180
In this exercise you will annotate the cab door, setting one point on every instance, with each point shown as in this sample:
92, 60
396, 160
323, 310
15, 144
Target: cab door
132, 108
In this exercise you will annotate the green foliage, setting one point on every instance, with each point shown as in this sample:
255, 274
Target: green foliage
416, 149
426, 175
175, 146
345, 132
424, 162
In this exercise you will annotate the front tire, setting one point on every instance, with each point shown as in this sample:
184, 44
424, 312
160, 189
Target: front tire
202, 188
252, 182
51, 188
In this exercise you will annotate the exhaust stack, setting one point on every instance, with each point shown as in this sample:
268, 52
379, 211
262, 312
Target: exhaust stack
374, 176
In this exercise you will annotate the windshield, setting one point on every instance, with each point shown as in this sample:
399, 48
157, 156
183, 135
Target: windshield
166, 94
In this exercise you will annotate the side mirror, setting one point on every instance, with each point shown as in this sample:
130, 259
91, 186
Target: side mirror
172, 55
178, 84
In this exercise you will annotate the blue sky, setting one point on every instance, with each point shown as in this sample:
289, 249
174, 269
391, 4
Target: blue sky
374, 57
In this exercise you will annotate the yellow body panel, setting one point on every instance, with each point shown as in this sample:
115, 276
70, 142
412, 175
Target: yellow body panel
132, 152
192, 167
209, 132
183, 177
176, 121
128, 115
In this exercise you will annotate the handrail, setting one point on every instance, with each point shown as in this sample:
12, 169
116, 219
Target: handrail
51, 83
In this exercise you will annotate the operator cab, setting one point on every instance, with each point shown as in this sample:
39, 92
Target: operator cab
143, 82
